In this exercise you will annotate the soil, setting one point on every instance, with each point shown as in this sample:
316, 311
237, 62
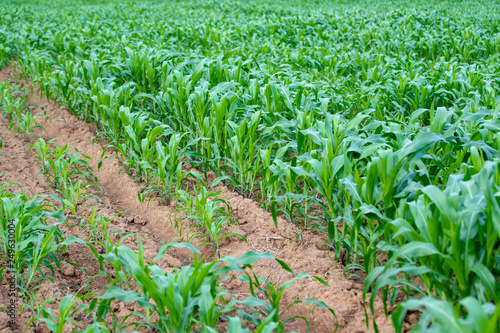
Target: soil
152, 223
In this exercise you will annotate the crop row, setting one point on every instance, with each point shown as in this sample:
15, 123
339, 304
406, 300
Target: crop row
33, 243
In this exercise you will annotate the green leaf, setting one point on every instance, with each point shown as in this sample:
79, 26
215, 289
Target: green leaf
164, 248
284, 266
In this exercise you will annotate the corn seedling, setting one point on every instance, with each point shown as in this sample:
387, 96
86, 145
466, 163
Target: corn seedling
76, 194
207, 215
26, 123
166, 172
68, 307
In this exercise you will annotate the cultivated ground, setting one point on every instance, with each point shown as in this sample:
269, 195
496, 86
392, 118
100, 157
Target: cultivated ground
119, 190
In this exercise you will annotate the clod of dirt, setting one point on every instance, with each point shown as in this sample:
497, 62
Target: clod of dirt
115, 306
138, 220
68, 270
412, 319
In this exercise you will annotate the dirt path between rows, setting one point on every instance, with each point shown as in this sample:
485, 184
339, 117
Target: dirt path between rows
120, 194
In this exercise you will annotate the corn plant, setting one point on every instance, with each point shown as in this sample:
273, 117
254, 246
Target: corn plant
102, 245
43, 151
268, 311
36, 307
142, 150
26, 123
12, 105
167, 172
244, 152
208, 216
443, 315
192, 294
61, 166
76, 194
5, 52
68, 306
182, 299
466, 209
24, 224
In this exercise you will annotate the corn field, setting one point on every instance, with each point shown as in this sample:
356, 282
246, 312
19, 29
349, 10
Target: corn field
373, 124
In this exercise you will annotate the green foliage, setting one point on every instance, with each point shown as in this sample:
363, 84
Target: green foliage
208, 216
26, 123
28, 238
67, 171
375, 123
191, 297
32, 243
68, 306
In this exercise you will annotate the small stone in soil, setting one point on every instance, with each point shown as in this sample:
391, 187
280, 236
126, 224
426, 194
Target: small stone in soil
68, 270
412, 319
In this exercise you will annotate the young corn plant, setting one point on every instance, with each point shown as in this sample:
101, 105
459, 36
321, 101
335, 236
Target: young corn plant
29, 239
268, 310
5, 53
25, 123
75, 194
181, 300
269, 183
441, 315
212, 225
98, 226
191, 296
141, 151
167, 173
245, 153
208, 217
12, 100
464, 245
68, 307
289, 201
62, 166
35, 307
102, 245
43, 150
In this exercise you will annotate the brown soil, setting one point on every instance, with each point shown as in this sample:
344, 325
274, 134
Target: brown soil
120, 194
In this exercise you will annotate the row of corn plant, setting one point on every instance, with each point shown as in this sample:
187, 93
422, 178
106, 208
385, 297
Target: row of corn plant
32, 243
68, 172
44, 242
61, 167
183, 299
